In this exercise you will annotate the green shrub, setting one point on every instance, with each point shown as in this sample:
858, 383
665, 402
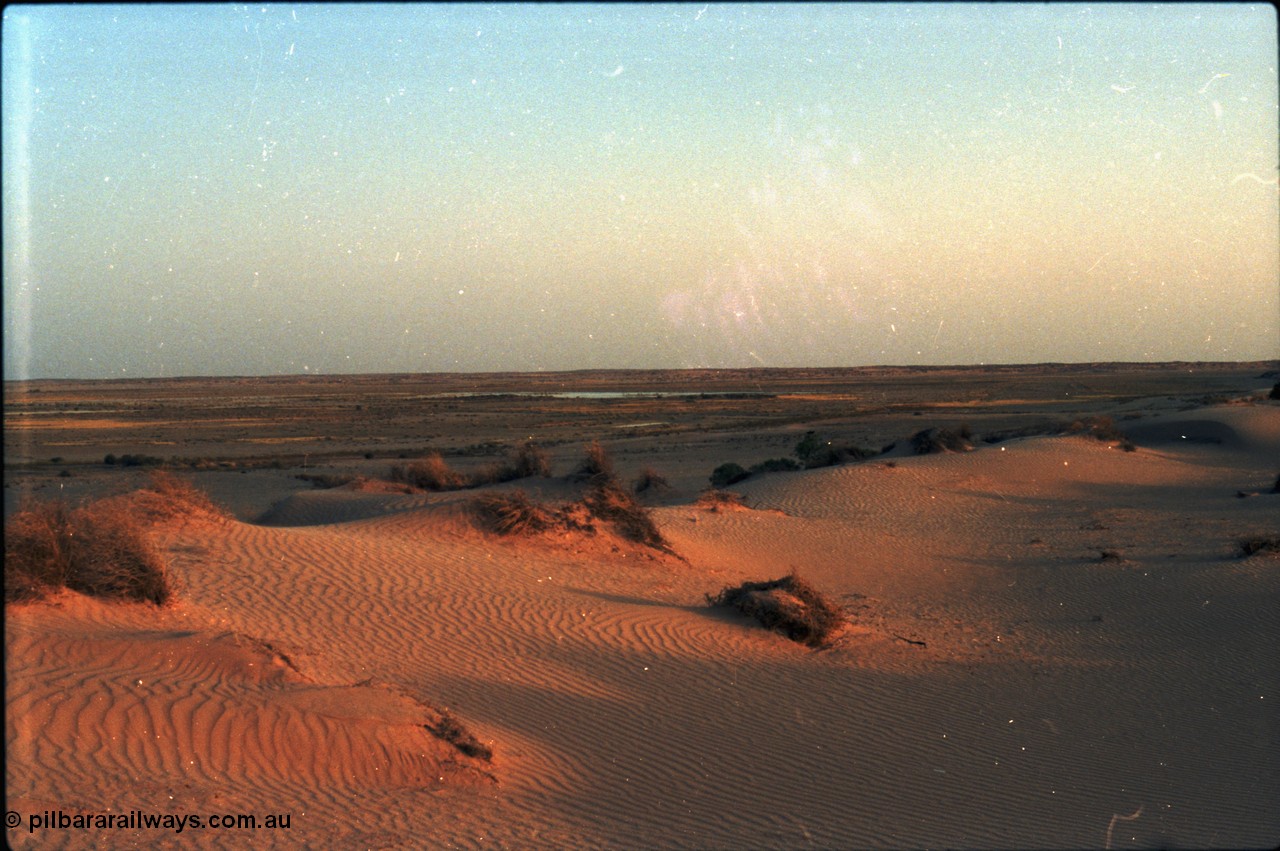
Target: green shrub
808, 445
775, 465
728, 474
830, 456
140, 461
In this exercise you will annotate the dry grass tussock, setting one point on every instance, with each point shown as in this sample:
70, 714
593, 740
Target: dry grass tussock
433, 473
605, 501
101, 550
596, 465
789, 605
713, 499
512, 513
448, 728
933, 440
650, 481
167, 497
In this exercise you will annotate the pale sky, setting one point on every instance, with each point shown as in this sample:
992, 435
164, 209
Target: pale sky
245, 190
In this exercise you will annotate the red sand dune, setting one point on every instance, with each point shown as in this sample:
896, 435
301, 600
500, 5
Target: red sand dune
999, 685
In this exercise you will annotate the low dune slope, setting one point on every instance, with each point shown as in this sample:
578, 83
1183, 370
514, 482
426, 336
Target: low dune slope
1000, 684
1254, 428
105, 697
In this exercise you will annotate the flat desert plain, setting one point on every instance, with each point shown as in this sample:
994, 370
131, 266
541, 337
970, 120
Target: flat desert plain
1053, 639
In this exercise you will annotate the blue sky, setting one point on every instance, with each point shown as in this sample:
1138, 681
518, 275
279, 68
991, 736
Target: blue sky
239, 190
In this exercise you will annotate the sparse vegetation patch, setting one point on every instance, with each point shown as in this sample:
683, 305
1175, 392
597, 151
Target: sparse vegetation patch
605, 500
815, 452
167, 496
650, 480
1101, 428
933, 440
449, 729
431, 473
595, 465
789, 605
728, 474
101, 550
1252, 546
609, 502
512, 513
775, 465
714, 500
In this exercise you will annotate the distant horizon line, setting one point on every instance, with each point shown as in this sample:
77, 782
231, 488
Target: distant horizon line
1002, 366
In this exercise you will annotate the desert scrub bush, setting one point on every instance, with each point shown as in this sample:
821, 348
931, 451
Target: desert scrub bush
1275, 391
609, 502
714, 500
830, 456
101, 550
1034, 430
139, 461
326, 480
449, 729
431, 473
167, 496
932, 440
789, 605
37, 550
775, 465
596, 465
530, 460
1251, 546
1100, 427
808, 445
511, 513
813, 452
728, 474
526, 462
650, 480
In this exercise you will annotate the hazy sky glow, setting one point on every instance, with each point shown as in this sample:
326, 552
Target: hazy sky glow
229, 190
